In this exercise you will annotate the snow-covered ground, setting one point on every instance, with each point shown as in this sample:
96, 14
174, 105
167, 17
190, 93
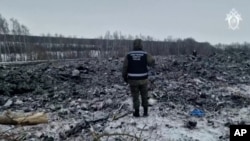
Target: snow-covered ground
75, 93
170, 124
162, 124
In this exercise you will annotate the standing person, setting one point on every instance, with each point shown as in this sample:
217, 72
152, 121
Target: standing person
135, 72
194, 53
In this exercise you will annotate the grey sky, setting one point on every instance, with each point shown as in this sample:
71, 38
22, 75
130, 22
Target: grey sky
203, 20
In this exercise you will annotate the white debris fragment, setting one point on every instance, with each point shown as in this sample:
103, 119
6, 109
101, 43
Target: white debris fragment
75, 72
8, 103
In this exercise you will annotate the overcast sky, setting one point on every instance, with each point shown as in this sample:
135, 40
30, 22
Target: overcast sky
203, 20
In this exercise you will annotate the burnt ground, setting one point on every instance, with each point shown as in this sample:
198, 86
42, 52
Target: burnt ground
84, 95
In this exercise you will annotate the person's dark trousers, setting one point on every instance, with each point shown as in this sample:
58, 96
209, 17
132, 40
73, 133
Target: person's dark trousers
137, 90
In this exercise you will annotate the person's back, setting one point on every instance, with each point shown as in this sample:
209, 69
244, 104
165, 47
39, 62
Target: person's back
135, 72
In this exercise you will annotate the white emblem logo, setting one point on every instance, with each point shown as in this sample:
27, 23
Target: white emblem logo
233, 19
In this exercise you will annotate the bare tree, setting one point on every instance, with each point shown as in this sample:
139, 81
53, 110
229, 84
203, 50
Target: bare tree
4, 29
17, 30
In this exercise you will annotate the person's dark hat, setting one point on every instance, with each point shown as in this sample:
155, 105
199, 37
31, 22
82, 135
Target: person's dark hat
137, 44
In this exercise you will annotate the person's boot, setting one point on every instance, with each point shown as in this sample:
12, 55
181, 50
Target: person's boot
136, 113
145, 114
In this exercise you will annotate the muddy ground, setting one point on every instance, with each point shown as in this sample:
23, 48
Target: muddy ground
87, 98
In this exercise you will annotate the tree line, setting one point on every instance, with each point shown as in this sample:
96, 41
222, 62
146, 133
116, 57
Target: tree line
16, 44
28, 48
